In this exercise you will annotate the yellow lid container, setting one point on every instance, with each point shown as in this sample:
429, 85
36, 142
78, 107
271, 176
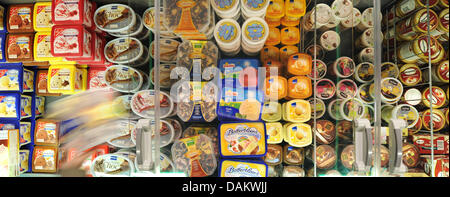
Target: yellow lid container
299, 87
290, 36
297, 111
63, 79
271, 112
274, 132
276, 9
286, 52
276, 87
42, 47
299, 134
270, 53
274, 37
42, 16
295, 8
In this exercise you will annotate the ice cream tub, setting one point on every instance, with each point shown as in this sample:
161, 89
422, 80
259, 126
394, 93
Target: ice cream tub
319, 70
271, 112
286, 52
325, 89
273, 68
299, 64
439, 73
297, 111
44, 159
342, 9
311, 20
276, 88
137, 30
369, 113
236, 168
240, 104
406, 112
334, 109
187, 153
364, 94
417, 24
274, 155
293, 155
42, 16
367, 19
20, 18
437, 98
198, 103
438, 119
405, 7
352, 20
416, 50
352, 109
318, 108
14, 77
115, 18
295, 8
66, 79
242, 140
348, 156
325, 132
316, 51
149, 22
143, 104
346, 89
299, 87
364, 72
330, 40
127, 51
343, 67
72, 12
367, 55
164, 75
391, 90
211, 132
412, 97
293, 171
410, 75
325, 157
72, 41
19, 47
42, 47
3, 16
112, 165
275, 134
254, 8
227, 34
389, 69
367, 39
126, 130
255, 31
443, 24
167, 50
274, 37
202, 53
290, 36
39, 106
276, 10
123, 78
226, 9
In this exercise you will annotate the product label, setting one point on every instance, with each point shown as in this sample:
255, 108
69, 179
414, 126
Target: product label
20, 18
255, 31
44, 159
242, 139
9, 79
44, 16
61, 79
107, 17
46, 132
19, 47
242, 169
8, 106
67, 10
66, 41
411, 75
43, 47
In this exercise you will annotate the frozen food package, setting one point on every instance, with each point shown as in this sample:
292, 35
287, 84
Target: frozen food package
45, 159
165, 71
143, 104
41, 84
126, 51
274, 154
271, 111
299, 87
112, 165
2, 47
270, 53
13, 77
275, 134
293, 155
211, 132
66, 79
72, 12
39, 106
42, 16
149, 22
242, 140
240, 104
167, 50
20, 18
19, 47
188, 19
198, 103
42, 47
236, 168
3, 16
193, 54
298, 134
184, 158
24, 157
276, 88
72, 41
47, 132
297, 110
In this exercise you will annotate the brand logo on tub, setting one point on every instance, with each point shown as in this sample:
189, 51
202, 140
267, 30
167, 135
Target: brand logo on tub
242, 130
242, 170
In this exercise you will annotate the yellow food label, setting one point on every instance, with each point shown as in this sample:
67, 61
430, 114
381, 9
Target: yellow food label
242, 169
242, 139
274, 132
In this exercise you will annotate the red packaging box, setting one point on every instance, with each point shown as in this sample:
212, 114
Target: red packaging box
423, 142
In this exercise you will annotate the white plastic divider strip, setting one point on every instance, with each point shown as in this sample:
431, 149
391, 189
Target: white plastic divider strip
377, 88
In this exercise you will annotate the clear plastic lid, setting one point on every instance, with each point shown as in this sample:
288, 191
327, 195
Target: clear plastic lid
114, 18
255, 31
123, 78
206, 51
341, 9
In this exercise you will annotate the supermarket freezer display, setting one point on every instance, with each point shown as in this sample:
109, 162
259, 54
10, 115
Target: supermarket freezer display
246, 88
